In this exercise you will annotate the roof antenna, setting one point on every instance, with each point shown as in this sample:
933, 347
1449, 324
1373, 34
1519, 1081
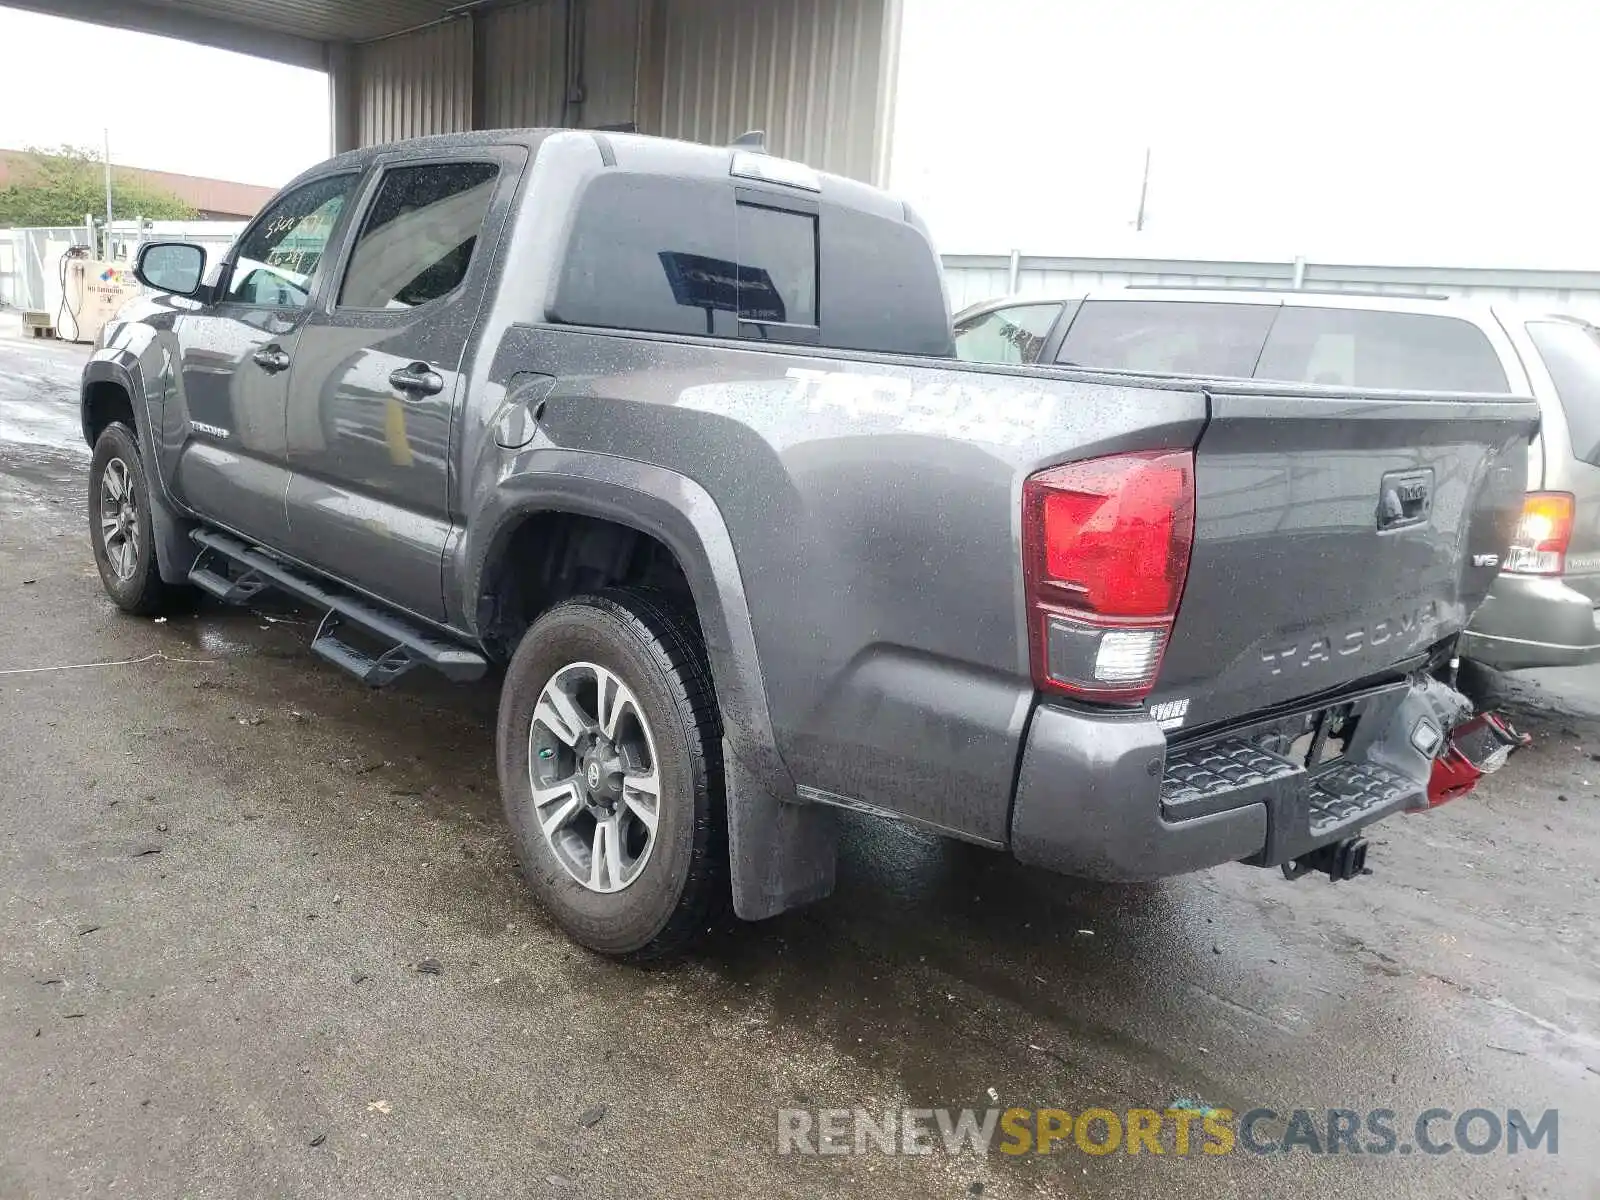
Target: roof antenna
755, 140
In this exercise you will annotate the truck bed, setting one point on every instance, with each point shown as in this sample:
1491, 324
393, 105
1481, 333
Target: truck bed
873, 504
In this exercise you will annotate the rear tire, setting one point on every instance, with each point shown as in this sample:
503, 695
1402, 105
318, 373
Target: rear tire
120, 529
656, 877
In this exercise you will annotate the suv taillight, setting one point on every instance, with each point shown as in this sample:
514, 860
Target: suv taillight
1540, 544
1105, 551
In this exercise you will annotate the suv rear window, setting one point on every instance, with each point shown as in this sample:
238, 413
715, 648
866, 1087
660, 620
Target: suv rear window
1172, 337
1362, 348
1571, 354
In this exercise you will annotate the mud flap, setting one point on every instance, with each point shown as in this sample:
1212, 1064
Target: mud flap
169, 533
782, 854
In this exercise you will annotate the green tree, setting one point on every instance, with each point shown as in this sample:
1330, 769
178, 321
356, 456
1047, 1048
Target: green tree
58, 187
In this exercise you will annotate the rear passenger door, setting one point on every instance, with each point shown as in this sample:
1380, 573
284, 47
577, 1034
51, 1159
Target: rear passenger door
377, 378
1168, 337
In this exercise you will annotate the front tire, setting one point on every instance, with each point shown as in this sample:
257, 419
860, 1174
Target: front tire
120, 528
609, 755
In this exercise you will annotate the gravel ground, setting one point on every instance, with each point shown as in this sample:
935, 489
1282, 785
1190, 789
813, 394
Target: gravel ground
226, 861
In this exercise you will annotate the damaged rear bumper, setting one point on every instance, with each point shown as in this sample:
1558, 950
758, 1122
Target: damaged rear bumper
1104, 796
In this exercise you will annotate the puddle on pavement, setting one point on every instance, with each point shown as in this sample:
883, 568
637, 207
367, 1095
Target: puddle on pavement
237, 633
39, 398
35, 423
42, 453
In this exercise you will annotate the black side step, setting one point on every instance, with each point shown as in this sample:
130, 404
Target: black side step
210, 575
409, 644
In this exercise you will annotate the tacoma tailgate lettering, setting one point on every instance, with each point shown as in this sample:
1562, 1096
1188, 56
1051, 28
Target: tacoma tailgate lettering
1320, 649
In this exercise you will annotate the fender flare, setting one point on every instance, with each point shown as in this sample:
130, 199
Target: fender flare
175, 553
782, 851
681, 515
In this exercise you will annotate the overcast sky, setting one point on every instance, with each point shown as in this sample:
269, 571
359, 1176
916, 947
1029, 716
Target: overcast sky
1405, 130
1445, 129
169, 105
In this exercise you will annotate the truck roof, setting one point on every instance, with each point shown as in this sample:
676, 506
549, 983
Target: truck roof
676, 238
635, 152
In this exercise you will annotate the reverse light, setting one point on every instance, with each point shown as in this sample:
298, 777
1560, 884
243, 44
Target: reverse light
1105, 552
1539, 546
1128, 656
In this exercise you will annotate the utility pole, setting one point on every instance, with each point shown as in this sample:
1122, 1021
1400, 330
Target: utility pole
1144, 191
107, 250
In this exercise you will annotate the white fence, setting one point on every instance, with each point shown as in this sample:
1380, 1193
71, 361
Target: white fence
30, 259
30, 264
975, 277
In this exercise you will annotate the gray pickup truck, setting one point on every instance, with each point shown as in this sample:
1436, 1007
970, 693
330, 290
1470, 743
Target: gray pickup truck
675, 436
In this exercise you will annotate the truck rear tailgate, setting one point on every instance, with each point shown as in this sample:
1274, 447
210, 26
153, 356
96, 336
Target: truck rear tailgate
1335, 538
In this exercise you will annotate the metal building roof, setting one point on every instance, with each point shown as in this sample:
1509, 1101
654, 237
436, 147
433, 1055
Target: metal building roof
323, 20
291, 30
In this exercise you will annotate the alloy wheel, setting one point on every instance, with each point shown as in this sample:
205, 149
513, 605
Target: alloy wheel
592, 767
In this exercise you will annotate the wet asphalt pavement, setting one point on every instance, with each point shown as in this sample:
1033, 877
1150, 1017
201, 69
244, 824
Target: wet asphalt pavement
223, 862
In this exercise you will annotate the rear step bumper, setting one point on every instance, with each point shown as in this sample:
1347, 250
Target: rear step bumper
1102, 796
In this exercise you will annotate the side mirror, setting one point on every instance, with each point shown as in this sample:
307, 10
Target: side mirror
175, 267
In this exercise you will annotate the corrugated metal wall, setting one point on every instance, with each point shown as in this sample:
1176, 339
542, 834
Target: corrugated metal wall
526, 69
415, 84
421, 82
611, 61
806, 71
974, 277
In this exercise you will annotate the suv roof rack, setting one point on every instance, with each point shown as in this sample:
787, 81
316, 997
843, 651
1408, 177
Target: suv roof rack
1287, 291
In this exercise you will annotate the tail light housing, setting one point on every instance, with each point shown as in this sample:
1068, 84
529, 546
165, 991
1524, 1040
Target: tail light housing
1105, 553
1540, 544
1477, 747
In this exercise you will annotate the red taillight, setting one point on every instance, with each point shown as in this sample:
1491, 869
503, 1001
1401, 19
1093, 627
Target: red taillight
1106, 548
1453, 776
1540, 544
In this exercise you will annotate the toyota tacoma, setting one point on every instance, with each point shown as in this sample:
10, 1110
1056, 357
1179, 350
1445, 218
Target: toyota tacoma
675, 438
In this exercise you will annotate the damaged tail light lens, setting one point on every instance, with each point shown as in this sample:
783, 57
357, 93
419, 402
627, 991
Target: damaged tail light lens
1106, 549
1540, 544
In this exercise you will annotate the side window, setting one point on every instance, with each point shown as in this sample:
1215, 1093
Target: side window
1015, 336
1571, 354
1365, 348
417, 239
777, 267
1174, 337
278, 255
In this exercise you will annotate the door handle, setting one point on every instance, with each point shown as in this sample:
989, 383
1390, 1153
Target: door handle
271, 359
418, 378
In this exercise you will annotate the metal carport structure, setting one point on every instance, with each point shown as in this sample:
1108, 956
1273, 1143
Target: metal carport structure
817, 75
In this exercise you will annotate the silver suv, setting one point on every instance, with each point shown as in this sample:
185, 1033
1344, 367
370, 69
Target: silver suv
1544, 609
